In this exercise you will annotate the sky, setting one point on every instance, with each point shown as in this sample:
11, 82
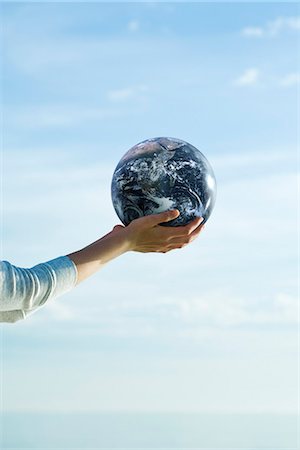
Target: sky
211, 327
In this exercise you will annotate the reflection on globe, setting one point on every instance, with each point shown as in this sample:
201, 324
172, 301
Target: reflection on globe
160, 174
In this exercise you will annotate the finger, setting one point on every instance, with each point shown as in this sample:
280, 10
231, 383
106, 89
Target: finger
187, 238
190, 227
191, 237
166, 216
118, 227
187, 229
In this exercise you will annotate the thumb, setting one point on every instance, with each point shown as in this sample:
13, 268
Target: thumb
165, 216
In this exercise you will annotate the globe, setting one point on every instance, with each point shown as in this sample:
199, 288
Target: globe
160, 174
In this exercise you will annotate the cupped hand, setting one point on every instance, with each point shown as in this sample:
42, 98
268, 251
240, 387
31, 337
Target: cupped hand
146, 235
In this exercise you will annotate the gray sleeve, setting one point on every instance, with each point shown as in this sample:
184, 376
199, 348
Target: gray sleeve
22, 290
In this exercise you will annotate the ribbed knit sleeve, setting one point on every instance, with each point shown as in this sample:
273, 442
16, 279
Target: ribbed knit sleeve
22, 290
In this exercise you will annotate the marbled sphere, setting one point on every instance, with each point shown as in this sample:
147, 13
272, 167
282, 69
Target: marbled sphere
163, 173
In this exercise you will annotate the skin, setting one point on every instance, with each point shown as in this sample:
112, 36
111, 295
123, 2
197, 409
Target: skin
141, 235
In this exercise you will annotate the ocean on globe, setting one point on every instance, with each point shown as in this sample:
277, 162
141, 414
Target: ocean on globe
160, 174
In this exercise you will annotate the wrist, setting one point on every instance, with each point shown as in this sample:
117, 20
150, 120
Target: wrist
123, 237
91, 258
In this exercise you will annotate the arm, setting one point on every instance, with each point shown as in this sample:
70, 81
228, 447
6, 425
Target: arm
22, 291
141, 235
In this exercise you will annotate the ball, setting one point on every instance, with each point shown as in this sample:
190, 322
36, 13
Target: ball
160, 174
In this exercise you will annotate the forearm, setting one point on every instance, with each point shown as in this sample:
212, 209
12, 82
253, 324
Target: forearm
142, 235
93, 257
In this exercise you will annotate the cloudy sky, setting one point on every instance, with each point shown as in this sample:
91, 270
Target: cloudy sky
213, 326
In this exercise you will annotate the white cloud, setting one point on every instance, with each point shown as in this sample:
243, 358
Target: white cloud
133, 25
253, 31
86, 60
61, 311
251, 77
248, 78
176, 316
59, 115
257, 158
290, 79
273, 28
120, 95
219, 309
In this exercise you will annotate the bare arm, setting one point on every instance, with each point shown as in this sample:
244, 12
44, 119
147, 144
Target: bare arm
23, 291
141, 235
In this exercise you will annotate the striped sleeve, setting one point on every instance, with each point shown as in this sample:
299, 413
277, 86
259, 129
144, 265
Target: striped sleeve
22, 290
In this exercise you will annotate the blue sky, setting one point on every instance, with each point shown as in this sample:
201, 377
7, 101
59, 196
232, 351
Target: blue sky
212, 327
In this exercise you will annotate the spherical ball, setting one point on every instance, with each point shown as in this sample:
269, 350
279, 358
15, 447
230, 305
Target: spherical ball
160, 174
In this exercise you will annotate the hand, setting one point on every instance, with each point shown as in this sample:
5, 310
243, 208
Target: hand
141, 235
145, 235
